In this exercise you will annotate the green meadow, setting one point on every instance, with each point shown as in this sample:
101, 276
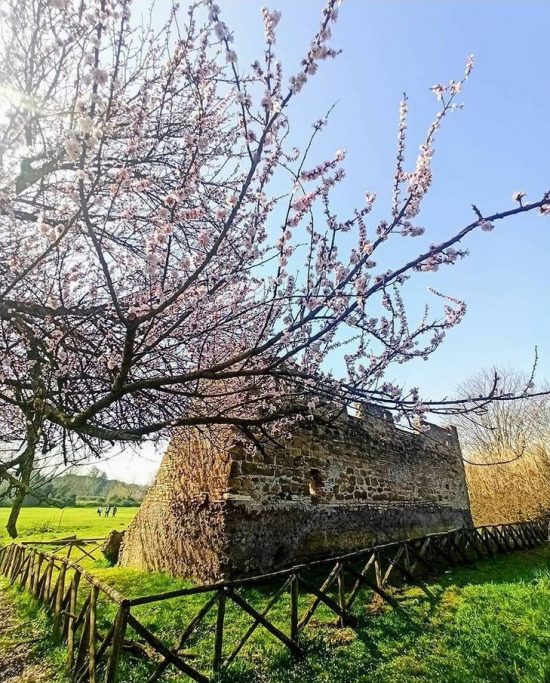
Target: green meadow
41, 523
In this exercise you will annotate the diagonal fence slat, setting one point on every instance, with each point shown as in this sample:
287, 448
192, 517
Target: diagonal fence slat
328, 601
411, 577
159, 646
188, 631
317, 600
246, 637
363, 581
247, 607
359, 576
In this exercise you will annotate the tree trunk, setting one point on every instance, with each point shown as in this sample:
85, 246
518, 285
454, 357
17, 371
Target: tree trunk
26, 465
16, 506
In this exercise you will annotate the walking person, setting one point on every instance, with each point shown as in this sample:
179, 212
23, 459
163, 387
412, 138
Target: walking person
99, 511
107, 508
115, 510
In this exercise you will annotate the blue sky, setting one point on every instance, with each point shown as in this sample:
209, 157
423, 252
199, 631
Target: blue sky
499, 143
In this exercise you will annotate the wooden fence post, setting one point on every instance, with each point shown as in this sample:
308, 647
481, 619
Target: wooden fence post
6, 556
16, 564
117, 642
58, 604
36, 574
92, 664
341, 596
45, 589
80, 659
9, 560
71, 619
294, 587
25, 574
218, 643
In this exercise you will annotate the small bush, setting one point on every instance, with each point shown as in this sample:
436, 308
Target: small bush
45, 527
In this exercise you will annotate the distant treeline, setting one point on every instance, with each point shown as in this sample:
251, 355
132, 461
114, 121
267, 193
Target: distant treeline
83, 490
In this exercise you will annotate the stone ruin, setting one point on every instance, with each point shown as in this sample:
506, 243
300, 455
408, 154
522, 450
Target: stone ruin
218, 511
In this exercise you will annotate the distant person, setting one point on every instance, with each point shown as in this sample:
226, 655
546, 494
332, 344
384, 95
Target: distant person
115, 510
107, 509
99, 511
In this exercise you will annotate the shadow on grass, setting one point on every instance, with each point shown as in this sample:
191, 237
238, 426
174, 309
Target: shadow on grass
489, 623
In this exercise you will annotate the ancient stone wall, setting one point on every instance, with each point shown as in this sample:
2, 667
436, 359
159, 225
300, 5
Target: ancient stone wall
356, 460
180, 526
217, 510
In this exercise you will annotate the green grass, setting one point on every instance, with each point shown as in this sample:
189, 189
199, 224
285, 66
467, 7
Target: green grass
46, 523
31, 628
489, 624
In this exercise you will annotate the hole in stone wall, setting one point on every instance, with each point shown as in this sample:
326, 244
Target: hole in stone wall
315, 484
279, 556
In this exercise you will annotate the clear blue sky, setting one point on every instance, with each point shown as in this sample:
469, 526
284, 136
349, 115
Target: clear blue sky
499, 143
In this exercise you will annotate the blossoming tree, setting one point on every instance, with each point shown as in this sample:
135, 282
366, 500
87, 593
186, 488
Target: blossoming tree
152, 272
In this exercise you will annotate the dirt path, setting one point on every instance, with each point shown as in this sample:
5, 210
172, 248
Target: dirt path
19, 641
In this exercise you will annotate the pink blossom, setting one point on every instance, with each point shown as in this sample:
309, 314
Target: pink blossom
271, 19
100, 76
203, 238
72, 147
439, 90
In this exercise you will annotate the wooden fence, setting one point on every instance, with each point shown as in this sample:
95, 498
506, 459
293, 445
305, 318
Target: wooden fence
334, 583
71, 594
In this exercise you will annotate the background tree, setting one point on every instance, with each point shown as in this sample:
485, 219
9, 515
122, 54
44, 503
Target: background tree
168, 259
501, 431
506, 447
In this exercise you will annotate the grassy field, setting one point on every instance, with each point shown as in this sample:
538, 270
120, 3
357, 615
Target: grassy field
489, 624
45, 523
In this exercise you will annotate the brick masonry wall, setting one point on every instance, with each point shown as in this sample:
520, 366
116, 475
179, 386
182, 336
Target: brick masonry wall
216, 510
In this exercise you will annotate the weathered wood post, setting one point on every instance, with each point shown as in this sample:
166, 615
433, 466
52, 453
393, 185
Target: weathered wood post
6, 556
58, 604
36, 574
80, 659
25, 574
294, 608
341, 595
92, 663
17, 563
45, 589
117, 642
9, 561
2, 558
218, 643
71, 618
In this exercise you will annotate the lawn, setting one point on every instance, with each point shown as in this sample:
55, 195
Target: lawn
46, 523
489, 624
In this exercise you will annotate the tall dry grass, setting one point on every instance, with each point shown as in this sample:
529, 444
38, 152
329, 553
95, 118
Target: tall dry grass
514, 491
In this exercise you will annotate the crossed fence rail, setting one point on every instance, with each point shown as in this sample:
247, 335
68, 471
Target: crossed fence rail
72, 545
95, 645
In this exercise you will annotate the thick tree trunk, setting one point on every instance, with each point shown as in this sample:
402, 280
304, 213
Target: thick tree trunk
16, 506
26, 465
